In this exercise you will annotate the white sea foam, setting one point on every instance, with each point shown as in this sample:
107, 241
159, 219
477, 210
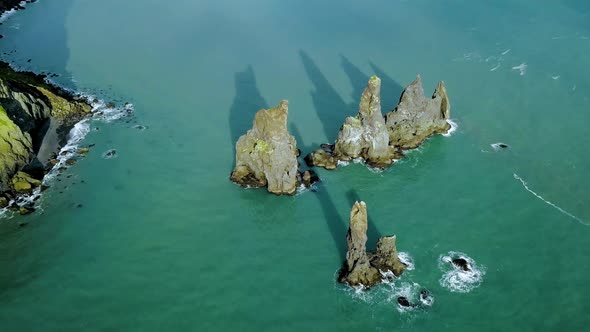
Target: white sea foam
555, 77
405, 258
496, 67
521, 68
525, 185
454, 127
456, 279
506, 52
342, 163
76, 135
11, 12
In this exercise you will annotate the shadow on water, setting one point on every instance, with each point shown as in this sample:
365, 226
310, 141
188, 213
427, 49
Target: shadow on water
26, 252
330, 107
373, 233
391, 90
338, 227
357, 78
246, 103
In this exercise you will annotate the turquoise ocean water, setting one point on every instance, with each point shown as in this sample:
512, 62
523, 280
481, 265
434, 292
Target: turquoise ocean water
163, 241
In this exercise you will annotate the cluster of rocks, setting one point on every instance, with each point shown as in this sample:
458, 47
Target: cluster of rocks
367, 268
35, 119
378, 139
267, 155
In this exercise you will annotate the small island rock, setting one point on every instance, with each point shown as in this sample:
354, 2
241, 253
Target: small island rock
362, 267
267, 154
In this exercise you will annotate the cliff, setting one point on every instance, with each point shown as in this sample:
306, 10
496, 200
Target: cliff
35, 119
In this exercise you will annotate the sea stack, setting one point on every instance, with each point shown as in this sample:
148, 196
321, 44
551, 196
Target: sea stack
379, 140
362, 267
267, 154
362, 136
416, 117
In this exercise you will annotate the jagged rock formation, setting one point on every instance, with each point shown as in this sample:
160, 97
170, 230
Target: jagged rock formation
362, 267
380, 140
267, 154
366, 136
35, 118
363, 136
416, 117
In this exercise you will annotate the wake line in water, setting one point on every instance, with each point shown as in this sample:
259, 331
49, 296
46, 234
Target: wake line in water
524, 184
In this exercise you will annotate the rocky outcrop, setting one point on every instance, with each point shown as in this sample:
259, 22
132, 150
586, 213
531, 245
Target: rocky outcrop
362, 267
267, 154
363, 136
416, 117
35, 118
380, 140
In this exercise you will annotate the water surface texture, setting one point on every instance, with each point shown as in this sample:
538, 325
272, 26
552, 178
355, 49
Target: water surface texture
163, 241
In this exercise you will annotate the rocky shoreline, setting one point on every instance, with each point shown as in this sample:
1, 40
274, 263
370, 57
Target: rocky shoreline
6, 5
35, 120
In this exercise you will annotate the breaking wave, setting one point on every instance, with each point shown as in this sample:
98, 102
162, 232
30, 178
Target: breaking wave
11, 12
454, 127
455, 278
102, 112
405, 258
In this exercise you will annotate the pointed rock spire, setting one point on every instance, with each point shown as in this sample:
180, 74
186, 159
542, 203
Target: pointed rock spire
362, 136
362, 267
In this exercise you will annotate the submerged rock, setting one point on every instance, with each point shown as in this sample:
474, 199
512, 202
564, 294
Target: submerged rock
362, 267
404, 302
461, 263
416, 117
267, 154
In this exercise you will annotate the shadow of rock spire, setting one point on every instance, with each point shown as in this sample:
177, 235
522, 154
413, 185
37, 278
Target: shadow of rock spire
357, 78
391, 90
330, 107
246, 103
